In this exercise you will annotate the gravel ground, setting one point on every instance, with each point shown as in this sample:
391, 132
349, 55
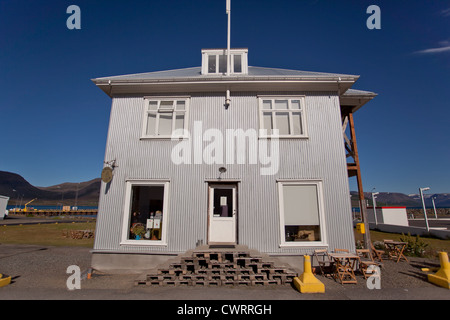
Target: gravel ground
40, 273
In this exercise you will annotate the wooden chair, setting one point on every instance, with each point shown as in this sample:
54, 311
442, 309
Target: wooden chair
326, 264
378, 254
365, 261
344, 272
341, 250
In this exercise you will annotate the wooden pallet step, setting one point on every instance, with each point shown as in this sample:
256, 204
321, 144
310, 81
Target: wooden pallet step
219, 267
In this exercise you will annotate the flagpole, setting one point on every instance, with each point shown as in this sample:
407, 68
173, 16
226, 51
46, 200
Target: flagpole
228, 11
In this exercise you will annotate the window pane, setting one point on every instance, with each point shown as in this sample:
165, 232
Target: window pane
223, 202
295, 104
181, 105
151, 124
267, 104
300, 205
267, 116
283, 122
297, 123
301, 213
281, 104
165, 124
166, 105
179, 121
302, 233
212, 64
153, 105
222, 64
146, 216
237, 65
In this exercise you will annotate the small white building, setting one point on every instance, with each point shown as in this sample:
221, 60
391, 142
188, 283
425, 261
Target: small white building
396, 216
3, 203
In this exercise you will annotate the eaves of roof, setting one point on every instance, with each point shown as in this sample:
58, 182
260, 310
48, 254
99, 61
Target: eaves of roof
194, 75
355, 99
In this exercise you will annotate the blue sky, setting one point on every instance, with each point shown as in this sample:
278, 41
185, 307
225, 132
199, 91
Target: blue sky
54, 120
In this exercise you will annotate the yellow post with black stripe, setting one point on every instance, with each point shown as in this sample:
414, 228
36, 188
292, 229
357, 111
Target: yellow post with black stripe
307, 282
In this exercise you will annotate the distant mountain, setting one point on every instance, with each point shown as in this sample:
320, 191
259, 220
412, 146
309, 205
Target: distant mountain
89, 191
441, 200
19, 190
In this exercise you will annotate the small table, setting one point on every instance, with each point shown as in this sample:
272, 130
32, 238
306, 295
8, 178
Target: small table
395, 249
345, 264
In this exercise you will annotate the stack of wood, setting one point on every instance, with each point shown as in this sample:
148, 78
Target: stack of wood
79, 234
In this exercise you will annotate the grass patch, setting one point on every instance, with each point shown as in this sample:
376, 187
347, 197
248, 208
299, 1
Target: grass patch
432, 250
46, 234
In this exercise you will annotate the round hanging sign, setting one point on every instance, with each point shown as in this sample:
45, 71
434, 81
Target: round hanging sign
107, 174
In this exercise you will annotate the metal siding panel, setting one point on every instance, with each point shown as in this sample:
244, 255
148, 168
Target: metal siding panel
321, 156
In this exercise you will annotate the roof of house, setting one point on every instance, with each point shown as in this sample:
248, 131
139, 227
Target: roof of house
354, 99
258, 78
195, 72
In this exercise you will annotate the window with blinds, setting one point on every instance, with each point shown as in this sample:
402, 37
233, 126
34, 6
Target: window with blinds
300, 206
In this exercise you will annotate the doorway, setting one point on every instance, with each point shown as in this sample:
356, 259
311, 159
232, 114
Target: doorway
222, 214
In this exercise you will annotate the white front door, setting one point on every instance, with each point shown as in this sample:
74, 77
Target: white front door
222, 214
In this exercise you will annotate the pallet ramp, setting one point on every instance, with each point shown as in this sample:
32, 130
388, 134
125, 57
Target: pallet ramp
219, 266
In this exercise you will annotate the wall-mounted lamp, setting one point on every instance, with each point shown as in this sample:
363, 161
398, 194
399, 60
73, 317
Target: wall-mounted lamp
227, 100
222, 170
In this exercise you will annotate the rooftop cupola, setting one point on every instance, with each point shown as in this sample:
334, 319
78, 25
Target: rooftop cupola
214, 61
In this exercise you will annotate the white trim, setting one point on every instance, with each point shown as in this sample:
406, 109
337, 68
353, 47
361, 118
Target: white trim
158, 99
323, 236
290, 111
127, 212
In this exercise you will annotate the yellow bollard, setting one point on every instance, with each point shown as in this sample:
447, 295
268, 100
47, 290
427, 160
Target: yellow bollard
307, 282
442, 277
4, 280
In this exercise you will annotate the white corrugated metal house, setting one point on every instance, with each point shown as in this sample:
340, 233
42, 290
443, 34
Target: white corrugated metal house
255, 157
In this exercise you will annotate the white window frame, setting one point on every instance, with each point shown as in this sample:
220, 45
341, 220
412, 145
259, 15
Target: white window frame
233, 52
323, 242
159, 111
263, 132
127, 213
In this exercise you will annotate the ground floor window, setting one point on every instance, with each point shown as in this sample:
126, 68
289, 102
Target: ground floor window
145, 212
301, 212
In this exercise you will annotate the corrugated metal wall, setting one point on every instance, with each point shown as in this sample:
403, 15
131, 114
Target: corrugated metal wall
321, 156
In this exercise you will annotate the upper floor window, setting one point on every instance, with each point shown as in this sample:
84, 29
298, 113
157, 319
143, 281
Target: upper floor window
285, 114
214, 61
164, 115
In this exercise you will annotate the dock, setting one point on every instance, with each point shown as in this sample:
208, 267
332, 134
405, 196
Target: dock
56, 212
